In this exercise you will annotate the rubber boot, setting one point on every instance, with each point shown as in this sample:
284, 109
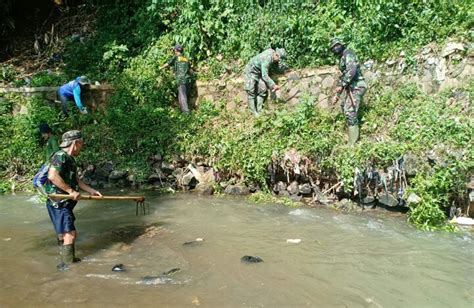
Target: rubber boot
67, 257
260, 101
251, 102
353, 132
75, 259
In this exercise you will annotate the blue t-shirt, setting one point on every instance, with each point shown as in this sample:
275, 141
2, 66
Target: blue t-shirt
72, 90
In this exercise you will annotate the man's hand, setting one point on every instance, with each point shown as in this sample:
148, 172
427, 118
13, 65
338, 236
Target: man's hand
334, 100
339, 90
96, 193
75, 195
276, 88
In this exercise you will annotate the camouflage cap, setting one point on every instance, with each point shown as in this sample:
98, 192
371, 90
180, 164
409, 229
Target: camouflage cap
281, 52
178, 47
336, 41
83, 80
69, 137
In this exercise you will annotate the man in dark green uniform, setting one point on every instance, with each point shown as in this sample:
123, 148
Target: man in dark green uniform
52, 145
63, 179
257, 80
182, 69
351, 86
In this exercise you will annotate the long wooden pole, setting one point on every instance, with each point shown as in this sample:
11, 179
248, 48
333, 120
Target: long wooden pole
89, 197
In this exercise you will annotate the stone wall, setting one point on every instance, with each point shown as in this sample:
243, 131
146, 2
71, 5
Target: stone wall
433, 69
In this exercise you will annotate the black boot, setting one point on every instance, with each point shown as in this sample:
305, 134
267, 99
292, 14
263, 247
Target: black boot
74, 259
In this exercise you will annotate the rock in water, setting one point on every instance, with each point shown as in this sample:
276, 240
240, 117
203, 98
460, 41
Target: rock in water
251, 259
118, 268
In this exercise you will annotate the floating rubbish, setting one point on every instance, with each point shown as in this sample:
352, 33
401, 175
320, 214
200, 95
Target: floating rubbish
118, 268
171, 271
251, 259
197, 240
293, 240
466, 221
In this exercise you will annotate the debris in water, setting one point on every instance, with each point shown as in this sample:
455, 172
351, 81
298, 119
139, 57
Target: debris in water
197, 240
171, 271
293, 240
7, 239
195, 301
251, 259
118, 268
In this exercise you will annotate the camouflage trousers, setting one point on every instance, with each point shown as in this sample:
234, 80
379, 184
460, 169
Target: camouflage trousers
350, 109
257, 93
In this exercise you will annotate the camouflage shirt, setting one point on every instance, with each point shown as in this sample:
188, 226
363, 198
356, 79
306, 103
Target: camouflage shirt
182, 68
51, 147
260, 65
350, 69
65, 164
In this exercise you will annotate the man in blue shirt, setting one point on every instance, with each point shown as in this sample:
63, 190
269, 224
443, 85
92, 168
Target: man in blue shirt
72, 91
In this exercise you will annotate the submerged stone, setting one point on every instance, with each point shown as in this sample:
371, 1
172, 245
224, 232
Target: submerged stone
251, 259
118, 268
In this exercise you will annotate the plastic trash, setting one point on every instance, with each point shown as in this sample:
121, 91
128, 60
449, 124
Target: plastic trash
293, 240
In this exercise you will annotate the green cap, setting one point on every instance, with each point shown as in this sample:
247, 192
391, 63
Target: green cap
69, 137
336, 41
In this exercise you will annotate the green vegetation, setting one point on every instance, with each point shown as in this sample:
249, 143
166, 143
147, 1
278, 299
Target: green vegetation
133, 38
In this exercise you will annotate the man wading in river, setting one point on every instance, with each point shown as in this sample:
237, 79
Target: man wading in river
351, 86
62, 179
256, 71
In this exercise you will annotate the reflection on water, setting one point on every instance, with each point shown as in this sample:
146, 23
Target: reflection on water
312, 257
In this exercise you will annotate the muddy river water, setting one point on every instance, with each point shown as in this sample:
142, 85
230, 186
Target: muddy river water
332, 259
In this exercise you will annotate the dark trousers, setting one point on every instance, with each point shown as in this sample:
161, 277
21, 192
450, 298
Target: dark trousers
183, 97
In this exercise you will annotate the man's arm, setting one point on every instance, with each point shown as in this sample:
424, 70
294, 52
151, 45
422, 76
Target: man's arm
77, 97
88, 189
57, 180
266, 78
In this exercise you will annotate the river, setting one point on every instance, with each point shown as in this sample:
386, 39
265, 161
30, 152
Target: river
342, 260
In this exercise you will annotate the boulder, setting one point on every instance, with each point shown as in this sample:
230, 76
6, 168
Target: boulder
102, 172
293, 188
187, 178
89, 171
413, 199
346, 205
204, 189
305, 189
280, 186
238, 189
117, 175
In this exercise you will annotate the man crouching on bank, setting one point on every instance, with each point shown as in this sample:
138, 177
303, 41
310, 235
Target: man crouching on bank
63, 179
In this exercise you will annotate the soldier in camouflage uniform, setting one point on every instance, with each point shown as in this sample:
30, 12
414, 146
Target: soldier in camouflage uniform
257, 80
351, 87
182, 69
